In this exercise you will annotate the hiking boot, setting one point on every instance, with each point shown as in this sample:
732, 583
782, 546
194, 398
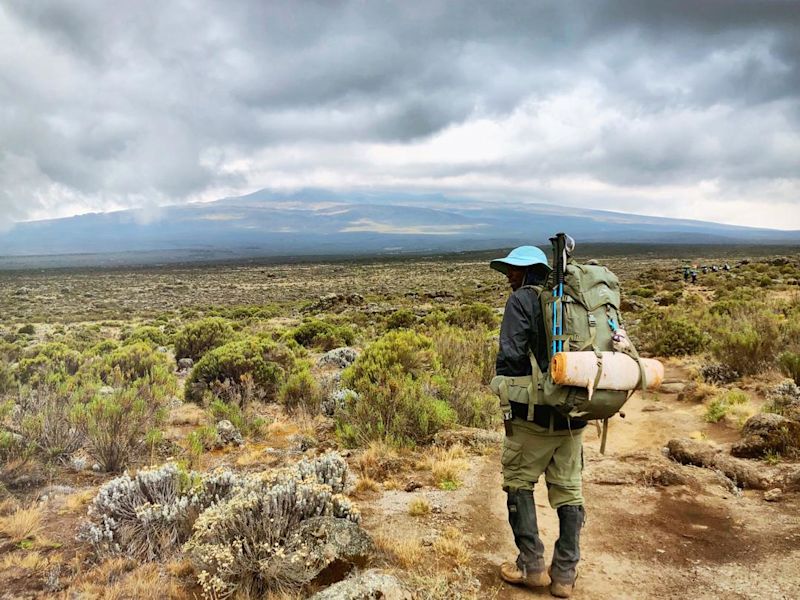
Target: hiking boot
561, 590
511, 573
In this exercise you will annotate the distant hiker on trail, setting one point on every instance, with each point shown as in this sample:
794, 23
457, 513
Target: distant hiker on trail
694, 276
685, 274
540, 442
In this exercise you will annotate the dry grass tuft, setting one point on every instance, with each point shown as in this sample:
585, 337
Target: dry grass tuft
23, 524
404, 551
392, 484
447, 466
373, 461
78, 501
419, 506
366, 484
125, 579
28, 561
187, 414
453, 545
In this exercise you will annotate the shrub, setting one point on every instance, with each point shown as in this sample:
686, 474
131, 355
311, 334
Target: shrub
323, 335
242, 546
789, 363
396, 399
471, 315
149, 516
466, 352
401, 319
642, 292
53, 360
725, 404
148, 334
135, 361
666, 336
301, 390
45, 420
103, 348
27, 329
7, 380
116, 424
247, 423
265, 361
748, 343
718, 374
195, 339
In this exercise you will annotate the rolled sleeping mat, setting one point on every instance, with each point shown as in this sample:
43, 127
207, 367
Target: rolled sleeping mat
620, 371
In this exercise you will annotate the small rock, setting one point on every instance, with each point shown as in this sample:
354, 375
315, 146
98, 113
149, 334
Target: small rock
96, 467
429, 540
78, 463
106, 390
773, 495
184, 364
767, 432
652, 408
228, 434
412, 486
437, 509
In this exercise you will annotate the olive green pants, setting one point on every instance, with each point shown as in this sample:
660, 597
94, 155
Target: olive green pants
532, 450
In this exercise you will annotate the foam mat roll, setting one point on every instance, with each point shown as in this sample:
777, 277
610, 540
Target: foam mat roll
620, 371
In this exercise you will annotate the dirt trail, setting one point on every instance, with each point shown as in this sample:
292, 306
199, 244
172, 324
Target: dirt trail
639, 542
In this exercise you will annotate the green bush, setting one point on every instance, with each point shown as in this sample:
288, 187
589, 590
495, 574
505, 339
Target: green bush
268, 363
27, 329
471, 315
301, 390
102, 348
135, 361
401, 319
316, 333
397, 398
663, 335
194, 339
117, 424
789, 363
643, 292
748, 342
52, 359
724, 404
248, 424
148, 334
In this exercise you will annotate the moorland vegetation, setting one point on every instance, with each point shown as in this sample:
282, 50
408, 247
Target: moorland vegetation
158, 414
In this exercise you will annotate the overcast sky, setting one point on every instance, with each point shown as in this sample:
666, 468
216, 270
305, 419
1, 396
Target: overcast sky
680, 108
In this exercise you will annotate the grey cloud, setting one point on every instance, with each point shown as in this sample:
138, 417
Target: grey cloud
121, 101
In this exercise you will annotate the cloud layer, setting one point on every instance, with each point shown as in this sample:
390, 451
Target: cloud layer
679, 108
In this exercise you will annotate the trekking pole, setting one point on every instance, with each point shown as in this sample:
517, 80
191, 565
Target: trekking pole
563, 246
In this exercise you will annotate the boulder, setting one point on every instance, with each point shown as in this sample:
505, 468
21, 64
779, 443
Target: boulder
228, 434
767, 432
326, 549
672, 388
743, 473
368, 585
339, 357
773, 495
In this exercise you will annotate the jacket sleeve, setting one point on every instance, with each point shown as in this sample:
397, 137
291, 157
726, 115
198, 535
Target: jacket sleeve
515, 331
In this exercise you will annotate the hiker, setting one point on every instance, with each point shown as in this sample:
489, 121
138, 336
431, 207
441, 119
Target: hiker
685, 274
549, 444
694, 276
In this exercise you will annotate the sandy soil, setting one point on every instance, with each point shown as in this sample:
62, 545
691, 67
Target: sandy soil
698, 540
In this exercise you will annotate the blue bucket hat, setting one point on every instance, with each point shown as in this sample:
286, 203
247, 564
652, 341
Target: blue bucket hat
524, 256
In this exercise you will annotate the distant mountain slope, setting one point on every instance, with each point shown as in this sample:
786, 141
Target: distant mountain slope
319, 222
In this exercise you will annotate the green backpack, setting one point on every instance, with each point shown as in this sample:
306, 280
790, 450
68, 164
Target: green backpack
591, 302
592, 318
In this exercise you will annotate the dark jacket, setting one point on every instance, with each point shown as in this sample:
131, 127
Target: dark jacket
523, 328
